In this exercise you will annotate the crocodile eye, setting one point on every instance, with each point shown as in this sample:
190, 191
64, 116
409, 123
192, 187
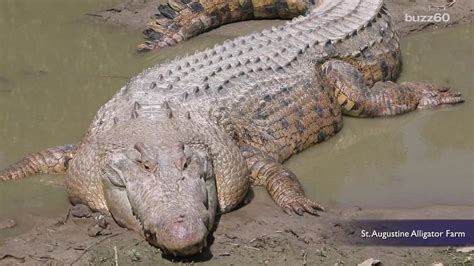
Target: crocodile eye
182, 163
149, 166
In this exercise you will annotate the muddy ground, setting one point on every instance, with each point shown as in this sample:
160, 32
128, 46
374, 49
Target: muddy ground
258, 232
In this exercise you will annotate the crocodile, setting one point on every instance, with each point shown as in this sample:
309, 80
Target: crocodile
179, 20
184, 140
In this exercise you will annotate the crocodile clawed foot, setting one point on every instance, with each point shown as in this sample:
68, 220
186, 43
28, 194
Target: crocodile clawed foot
176, 21
432, 95
300, 205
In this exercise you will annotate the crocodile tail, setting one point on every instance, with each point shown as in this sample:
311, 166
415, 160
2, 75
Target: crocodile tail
179, 20
50, 161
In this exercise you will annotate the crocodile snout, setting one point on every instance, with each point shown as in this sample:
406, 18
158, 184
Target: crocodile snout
181, 237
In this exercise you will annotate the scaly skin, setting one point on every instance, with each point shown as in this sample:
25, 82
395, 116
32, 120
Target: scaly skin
186, 138
50, 161
179, 20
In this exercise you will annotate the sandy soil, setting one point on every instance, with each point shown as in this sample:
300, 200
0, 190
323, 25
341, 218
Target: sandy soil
257, 233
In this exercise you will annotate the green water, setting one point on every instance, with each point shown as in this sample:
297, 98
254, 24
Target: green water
57, 69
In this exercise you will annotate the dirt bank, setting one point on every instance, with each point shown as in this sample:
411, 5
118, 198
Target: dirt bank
258, 233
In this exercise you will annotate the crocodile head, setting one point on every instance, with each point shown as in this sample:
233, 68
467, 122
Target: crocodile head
163, 189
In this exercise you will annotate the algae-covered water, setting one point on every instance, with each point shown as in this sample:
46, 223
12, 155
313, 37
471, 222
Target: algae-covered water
57, 69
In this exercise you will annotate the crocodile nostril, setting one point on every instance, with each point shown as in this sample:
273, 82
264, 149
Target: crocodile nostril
180, 218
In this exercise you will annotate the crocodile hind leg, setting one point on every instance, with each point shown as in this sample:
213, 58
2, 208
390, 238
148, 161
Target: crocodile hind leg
50, 161
179, 20
282, 185
384, 98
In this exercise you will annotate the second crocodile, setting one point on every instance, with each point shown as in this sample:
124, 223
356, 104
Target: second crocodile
185, 139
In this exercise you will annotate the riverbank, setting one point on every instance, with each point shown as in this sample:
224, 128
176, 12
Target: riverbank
258, 233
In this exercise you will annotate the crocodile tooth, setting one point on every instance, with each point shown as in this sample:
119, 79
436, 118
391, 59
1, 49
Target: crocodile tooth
153, 85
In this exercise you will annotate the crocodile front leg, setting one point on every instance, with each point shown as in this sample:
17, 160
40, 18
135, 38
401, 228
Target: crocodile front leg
282, 185
179, 20
50, 161
384, 98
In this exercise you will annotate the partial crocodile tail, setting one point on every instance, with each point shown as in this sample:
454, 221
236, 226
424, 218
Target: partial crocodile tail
50, 161
179, 20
